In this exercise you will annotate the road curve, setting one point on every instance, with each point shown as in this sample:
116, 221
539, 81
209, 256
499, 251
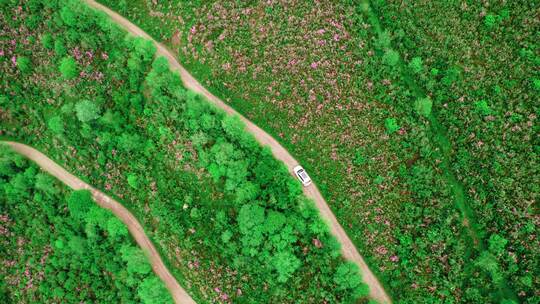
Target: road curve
180, 296
348, 249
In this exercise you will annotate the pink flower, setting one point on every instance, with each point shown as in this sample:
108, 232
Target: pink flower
104, 56
336, 37
394, 258
99, 76
239, 292
314, 65
14, 60
224, 297
77, 53
217, 289
193, 30
321, 31
381, 250
1, 52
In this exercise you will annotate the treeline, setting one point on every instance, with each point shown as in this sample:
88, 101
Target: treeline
59, 246
231, 221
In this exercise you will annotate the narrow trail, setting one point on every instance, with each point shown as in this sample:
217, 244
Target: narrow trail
348, 249
180, 296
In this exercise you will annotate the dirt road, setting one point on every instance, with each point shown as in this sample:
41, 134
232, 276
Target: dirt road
179, 295
349, 250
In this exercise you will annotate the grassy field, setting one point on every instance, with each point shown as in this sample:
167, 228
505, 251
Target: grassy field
59, 246
417, 120
484, 87
228, 218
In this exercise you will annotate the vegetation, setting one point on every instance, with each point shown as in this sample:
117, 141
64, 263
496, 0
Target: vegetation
229, 219
59, 246
419, 122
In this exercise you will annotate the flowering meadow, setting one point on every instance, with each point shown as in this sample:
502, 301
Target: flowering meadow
417, 119
228, 219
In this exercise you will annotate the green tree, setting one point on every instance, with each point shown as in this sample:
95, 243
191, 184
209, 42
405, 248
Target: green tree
86, 110
47, 41
153, 291
24, 64
536, 84
383, 41
68, 68
45, 183
250, 221
391, 57
285, 263
137, 263
490, 21
56, 125
359, 159
348, 277
59, 48
416, 65
133, 181
129, 142
391, 125
79, 203
497, 244
116, 228
423, 106
68, 16
482, 107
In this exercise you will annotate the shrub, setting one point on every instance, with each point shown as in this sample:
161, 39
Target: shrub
47, 41
490, 21
68, 68
24, 64
482, 107
391, 125
391, 57
416, 65
423, 106
86, 110
56, 125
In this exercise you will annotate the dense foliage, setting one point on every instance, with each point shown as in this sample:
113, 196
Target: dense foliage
418, 120
58, 246
482, 86
229, 219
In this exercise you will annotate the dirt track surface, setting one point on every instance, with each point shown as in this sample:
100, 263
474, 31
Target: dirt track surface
178, 293
349, 251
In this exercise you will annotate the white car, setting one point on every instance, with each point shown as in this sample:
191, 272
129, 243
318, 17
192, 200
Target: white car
302, 175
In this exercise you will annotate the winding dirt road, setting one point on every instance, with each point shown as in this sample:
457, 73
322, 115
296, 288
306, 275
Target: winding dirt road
349, 251
179, 295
